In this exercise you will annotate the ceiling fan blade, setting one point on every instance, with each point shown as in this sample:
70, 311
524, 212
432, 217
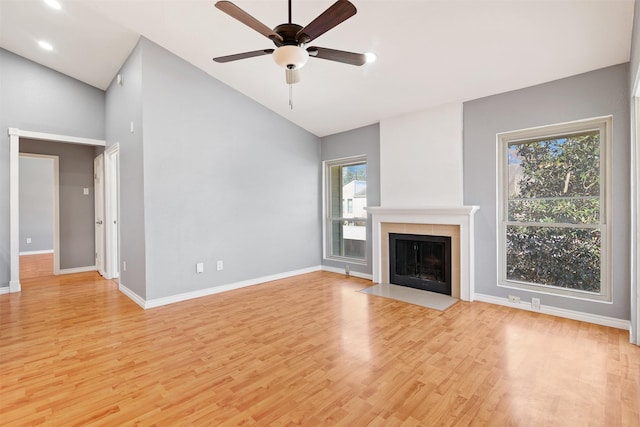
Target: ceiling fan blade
339, 12
337, 55
235, 12
244, 55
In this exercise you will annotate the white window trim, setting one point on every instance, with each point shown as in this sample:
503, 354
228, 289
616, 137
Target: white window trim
326, 192
604, 124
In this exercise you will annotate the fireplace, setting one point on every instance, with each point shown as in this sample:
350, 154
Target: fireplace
420, 261
456, 222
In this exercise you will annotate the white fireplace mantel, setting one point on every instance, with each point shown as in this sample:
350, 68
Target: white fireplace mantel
461, 216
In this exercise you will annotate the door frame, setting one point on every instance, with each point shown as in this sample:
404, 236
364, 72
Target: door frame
635, 212
112, 210
98, 214
14, 190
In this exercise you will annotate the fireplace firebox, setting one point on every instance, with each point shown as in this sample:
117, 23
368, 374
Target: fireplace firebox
420, 261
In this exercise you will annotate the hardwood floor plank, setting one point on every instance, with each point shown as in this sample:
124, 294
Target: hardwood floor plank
36, 265
306, 350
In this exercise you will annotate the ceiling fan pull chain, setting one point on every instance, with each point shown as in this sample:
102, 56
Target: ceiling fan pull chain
290, 96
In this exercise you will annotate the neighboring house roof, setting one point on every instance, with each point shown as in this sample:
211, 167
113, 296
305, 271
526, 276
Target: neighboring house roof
356, 188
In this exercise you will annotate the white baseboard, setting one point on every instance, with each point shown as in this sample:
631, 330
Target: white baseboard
77, 270
48, 251
351, 273
560, 312
132, 295
158, 302
14, 286
4, 290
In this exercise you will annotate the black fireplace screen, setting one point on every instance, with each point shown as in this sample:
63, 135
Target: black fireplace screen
419, 261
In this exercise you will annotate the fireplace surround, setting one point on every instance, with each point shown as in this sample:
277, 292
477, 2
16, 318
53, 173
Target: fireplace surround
456, 222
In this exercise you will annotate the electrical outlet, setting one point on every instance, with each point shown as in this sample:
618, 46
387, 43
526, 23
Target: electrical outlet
200, 267
28, 239
514, 299
535, 303
219, 265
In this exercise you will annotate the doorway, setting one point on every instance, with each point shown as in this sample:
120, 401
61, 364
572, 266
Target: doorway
39, 212
14, 190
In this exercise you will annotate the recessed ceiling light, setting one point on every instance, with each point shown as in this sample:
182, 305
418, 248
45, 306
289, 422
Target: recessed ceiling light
53, 4
45, 45
370, 57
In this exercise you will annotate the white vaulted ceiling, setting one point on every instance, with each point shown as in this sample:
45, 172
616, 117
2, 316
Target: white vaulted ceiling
429, 52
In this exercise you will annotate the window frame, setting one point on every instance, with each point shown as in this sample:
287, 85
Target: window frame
604, 126
326, 207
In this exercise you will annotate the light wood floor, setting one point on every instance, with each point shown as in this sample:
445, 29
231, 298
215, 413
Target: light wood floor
307, 350
36, 265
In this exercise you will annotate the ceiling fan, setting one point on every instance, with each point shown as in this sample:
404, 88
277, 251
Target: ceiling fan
290, 39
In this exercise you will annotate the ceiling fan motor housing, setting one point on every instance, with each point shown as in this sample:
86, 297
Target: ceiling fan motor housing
288, 33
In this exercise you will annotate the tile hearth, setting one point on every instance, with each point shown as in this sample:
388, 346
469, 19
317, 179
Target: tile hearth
412, 296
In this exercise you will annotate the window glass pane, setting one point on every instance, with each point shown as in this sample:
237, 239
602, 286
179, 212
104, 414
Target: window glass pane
337, 248
552, 183
556, 210
356, 172
550, 256
347, 225
567, 166
354, 235
349, 238
354, 190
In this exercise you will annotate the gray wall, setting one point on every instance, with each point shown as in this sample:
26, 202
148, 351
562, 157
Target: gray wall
77, 232
593, 94
224, 179
124, 106
365, 140
35, 98
36, 204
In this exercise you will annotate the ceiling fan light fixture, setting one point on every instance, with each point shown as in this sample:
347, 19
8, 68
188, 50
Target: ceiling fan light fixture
290, 57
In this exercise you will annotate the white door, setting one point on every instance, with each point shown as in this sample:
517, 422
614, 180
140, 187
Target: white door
112, 211
98, 185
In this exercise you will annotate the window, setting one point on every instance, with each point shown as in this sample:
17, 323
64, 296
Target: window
554, 209
345, 200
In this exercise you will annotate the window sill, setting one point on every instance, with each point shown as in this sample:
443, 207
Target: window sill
348, 260
558, 292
